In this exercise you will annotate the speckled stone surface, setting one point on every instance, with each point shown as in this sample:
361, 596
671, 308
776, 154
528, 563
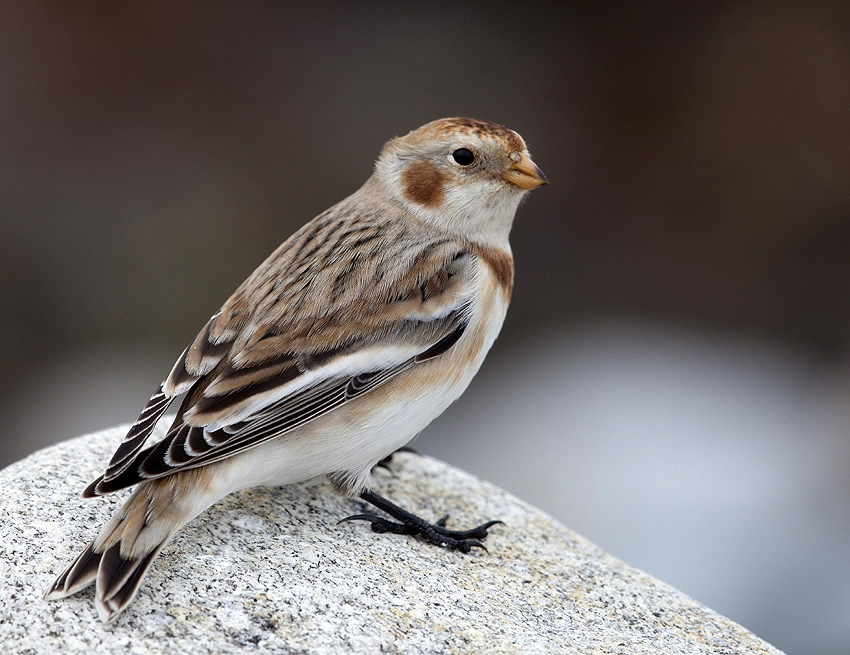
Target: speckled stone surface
271, 571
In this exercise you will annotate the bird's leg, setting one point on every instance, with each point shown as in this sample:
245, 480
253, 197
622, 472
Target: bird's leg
384, 463
407, 523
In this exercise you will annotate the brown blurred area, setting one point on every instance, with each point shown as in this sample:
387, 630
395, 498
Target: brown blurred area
152, 154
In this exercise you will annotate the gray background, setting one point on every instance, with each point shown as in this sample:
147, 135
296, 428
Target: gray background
673, 378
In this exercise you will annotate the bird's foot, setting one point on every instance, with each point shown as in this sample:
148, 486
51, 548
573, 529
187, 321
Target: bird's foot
410, 524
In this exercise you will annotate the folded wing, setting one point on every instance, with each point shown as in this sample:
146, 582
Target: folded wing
259, 368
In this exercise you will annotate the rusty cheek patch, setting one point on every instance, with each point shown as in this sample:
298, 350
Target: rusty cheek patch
424, 184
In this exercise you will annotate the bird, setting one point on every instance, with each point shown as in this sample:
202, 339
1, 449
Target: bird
344, 344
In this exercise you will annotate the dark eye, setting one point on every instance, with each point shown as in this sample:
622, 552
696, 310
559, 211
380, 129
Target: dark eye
463, 156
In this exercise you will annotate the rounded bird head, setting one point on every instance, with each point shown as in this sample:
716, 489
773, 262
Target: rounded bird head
463, 175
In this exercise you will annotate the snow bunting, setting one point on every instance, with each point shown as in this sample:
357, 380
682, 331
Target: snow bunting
342, 346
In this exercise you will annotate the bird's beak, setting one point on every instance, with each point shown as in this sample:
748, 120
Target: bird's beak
525, 174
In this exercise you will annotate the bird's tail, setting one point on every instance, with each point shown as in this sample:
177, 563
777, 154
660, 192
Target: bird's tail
117, 578
118, 558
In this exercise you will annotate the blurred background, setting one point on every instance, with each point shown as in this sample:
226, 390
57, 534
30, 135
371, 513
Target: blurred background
673, 379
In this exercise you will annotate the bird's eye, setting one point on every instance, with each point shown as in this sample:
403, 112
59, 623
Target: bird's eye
463, 156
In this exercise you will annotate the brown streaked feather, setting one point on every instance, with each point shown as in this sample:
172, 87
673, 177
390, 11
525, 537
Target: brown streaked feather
205, 352
283, 368
263, 359
407, 310
212, 343
274, 313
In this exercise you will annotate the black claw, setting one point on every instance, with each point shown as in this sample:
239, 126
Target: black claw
475, 533
468, 544
359, 517
410, 524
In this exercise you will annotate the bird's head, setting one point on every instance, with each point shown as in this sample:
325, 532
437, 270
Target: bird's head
463, 175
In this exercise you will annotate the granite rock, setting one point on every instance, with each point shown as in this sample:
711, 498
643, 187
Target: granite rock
271, 571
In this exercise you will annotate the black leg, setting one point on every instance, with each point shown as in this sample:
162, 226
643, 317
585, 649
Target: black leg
384, 463
435, 533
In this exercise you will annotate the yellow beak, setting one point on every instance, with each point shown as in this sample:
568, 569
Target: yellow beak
525, 174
